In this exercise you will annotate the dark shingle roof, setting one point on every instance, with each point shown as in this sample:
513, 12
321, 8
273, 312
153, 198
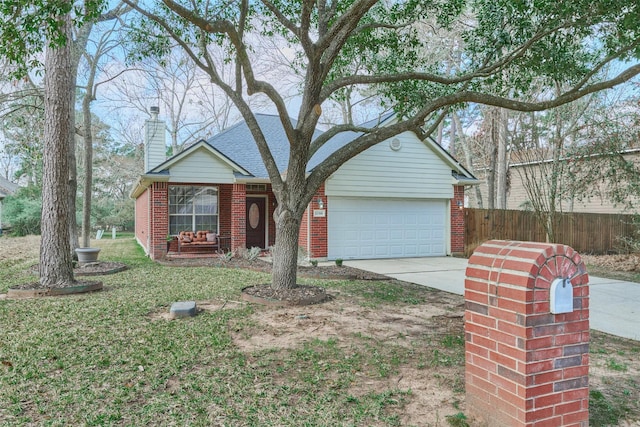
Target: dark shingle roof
7, 188
237, 144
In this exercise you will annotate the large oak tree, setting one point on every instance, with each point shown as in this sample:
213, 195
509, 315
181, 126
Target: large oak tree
507, 43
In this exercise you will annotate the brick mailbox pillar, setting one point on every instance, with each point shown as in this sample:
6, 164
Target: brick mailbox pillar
527, 335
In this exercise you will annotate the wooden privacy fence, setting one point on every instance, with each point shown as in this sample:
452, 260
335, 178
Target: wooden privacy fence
585, 232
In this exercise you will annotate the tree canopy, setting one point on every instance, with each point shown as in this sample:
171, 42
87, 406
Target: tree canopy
386, 47
29, 25
501, 48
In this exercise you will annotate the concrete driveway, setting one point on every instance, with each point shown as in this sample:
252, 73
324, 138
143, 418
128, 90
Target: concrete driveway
614, 304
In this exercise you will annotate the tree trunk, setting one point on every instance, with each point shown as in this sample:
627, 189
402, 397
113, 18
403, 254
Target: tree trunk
88, 166
440, 133
493, 157
78, 47
55, 255
73, 169
502, 166
467, 155
73, 164
285, 251
174, 139
73, 174
452, 138
555, 178
535, 135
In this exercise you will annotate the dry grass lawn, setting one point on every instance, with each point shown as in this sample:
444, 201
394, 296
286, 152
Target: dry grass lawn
379, 353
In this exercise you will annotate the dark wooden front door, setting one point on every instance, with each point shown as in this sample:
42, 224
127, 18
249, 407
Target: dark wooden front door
256, 222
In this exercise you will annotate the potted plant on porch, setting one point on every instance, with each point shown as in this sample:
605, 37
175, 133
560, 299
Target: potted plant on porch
170, 238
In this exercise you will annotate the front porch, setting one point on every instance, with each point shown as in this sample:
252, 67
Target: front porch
241, 214
242, 217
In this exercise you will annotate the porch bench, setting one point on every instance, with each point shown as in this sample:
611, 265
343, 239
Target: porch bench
199, 239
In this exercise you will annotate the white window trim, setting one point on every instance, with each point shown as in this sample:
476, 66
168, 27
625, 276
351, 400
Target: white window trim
193, 215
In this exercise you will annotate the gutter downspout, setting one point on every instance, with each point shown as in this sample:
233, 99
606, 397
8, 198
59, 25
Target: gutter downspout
449, 228
149, 211
309, 230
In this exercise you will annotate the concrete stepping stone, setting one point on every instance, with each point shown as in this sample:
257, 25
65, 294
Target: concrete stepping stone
182, 309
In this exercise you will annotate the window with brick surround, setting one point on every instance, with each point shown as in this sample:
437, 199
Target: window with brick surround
193, 208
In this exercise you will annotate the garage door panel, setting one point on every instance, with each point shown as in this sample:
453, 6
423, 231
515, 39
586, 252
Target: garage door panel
352, 235
396, 220
361, 228
422, 234
368, 235
364, 219
397, 252
367, 251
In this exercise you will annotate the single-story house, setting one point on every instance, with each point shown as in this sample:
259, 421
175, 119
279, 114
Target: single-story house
7, 188
400, 198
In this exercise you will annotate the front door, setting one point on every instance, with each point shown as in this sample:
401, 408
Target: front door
256, 222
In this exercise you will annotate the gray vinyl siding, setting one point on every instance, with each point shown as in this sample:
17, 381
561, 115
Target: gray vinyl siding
201, 167
414, 171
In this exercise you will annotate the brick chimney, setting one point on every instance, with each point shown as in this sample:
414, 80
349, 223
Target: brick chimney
155, 148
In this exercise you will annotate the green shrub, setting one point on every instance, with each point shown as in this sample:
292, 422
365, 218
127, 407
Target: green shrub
109, 213
22, 211
251, 254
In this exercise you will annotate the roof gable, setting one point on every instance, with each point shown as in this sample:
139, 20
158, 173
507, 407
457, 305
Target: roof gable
237, 147
403, 167
194, 148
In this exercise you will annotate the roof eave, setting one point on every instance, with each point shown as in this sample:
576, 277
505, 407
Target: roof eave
448, 158
144, 181
252, 180
465, 181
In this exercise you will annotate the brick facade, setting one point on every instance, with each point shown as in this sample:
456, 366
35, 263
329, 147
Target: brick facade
159, 217
142, 225
238, 216
457, 220
526, 366
231, 216
152, 219
314, 230
224, 209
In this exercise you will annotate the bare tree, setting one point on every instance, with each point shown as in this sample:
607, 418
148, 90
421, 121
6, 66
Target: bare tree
543, 169
193, 106
105, 44
79, 50
501, 133
468, 155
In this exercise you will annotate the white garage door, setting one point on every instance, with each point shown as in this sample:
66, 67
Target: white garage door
365, 228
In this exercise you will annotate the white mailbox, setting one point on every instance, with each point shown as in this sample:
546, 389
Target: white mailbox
561, 296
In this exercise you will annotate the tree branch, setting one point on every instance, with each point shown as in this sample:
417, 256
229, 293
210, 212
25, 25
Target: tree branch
360, 144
